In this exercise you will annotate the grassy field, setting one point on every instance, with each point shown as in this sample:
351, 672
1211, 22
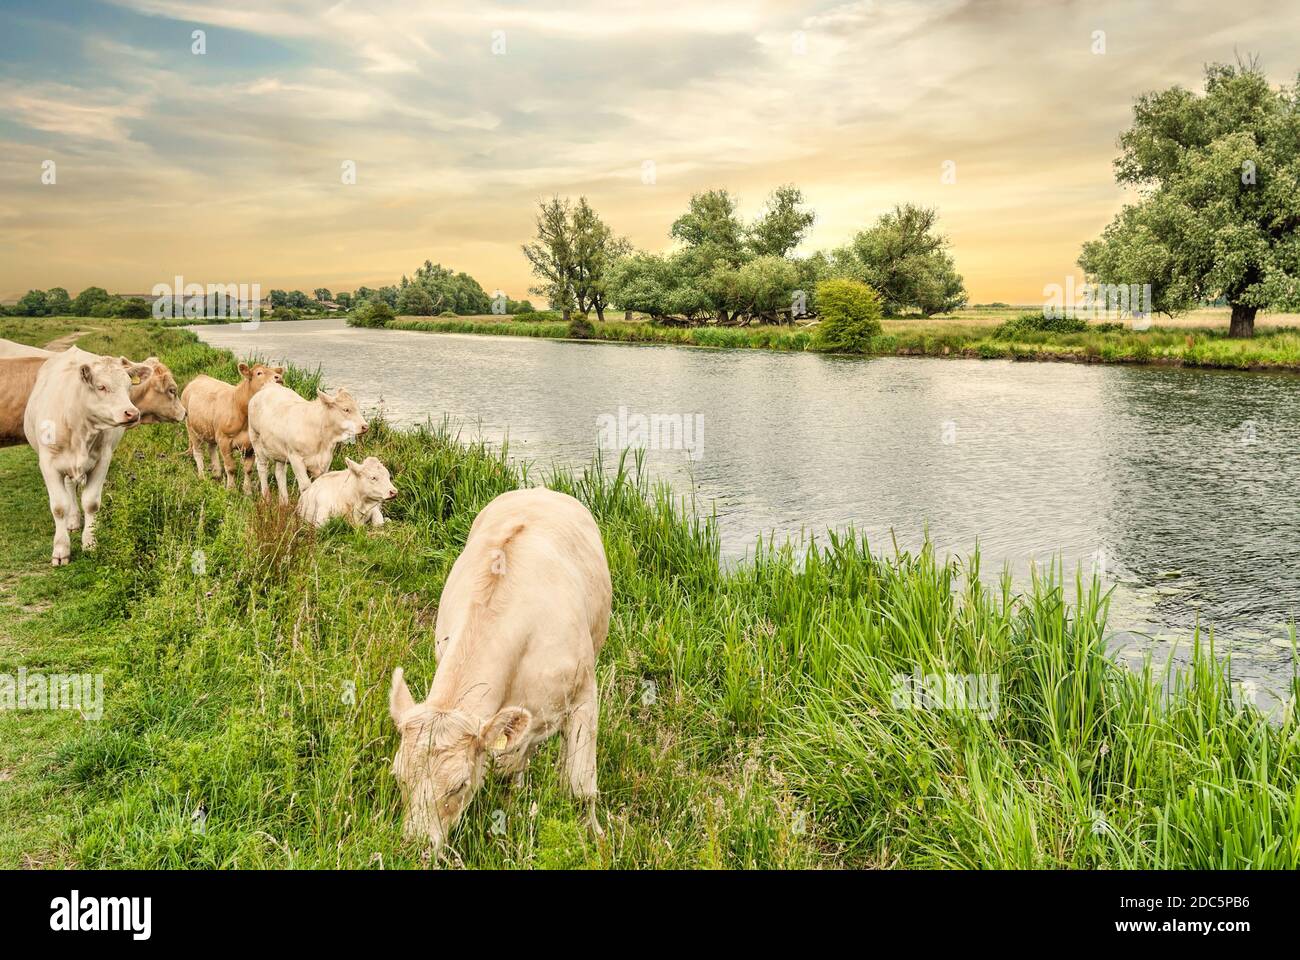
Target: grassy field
749, 716
1199, 339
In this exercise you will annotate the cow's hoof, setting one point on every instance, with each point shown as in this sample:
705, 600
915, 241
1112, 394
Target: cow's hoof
58, 561
87, 543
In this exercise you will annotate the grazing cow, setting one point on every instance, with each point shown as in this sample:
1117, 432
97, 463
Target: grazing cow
523, 614
356, 492
9, 349
17, 378
217, 419
78, 403
289, 431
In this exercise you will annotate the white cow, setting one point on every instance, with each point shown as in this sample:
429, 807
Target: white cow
78, 405
356, 492
9, 349
287, 430
523, 614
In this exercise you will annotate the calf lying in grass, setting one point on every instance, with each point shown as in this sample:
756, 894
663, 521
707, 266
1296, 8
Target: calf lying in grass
356, 492
523, 614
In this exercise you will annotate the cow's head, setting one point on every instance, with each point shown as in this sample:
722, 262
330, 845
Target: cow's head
442, 759
106, 382
373, 479
156, 395
344, 416
260, 374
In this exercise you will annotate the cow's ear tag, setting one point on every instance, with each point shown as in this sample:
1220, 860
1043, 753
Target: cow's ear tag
499, 743
135, 380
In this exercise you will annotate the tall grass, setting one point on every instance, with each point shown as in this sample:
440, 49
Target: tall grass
748, 714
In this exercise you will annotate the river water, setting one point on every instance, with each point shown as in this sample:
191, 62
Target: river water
1181, 487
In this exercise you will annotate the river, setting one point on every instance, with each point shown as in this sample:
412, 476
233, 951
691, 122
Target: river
1181, 487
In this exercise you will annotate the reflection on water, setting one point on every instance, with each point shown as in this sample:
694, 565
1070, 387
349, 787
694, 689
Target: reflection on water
1183, 486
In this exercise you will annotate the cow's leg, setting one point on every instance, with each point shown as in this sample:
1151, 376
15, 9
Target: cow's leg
376, 518
196, 448
60, 502
580, 750
300, 473
282, 481
74, 517
227, 459
247, 457
91, 497
261, 475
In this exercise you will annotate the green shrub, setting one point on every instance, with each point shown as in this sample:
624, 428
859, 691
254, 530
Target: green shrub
372, 313
850, 311
1038, 323
580, 326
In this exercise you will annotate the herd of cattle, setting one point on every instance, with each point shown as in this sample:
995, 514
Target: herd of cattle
522, 616
73, 407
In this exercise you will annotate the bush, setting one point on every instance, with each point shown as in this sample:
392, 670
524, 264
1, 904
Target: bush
1038, 323
372, 313
580, 326
850, 312
450, 314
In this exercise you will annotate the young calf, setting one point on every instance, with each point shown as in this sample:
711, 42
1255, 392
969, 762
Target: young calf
355, 492
289, 431
523, 614
218, 419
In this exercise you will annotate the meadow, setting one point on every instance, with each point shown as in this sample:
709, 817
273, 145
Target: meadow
750, 714
1199, 339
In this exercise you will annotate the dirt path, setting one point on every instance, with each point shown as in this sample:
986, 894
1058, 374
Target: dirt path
65, 341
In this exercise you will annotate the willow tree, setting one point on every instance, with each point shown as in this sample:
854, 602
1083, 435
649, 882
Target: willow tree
1219, 177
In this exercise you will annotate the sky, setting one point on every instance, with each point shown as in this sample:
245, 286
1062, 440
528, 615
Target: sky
223, 160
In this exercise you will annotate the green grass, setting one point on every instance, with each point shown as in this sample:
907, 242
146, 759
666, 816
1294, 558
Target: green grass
747, 714
1272, 348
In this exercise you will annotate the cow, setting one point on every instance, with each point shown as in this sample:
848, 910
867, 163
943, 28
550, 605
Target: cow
356, 492
78, 403
523, 614
287, 430
17, 378
217, 419
10, 349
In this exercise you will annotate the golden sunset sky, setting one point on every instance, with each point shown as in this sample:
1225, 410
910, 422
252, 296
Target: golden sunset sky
225, 166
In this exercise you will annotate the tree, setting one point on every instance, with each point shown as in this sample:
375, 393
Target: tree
552, 256
32, 304
758, 290
344, 300
782, 226
1220, 205
415, 301
57, 302
87, 300
711, 228
850, 313
298, 300
322, 294
905, 261
594, 248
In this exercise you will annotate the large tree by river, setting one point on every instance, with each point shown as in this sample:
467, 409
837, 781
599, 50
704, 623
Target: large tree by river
1219, 175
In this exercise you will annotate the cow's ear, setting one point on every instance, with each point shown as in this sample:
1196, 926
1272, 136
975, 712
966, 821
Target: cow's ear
400, 700
279, 370
504, 731
325, 398
245, 371
86, 373
139, 372
352, 465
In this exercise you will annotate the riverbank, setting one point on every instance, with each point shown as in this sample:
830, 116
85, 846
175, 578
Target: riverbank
971, 336
750, 716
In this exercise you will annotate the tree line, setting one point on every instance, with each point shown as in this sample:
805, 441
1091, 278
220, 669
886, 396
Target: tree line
727, 272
